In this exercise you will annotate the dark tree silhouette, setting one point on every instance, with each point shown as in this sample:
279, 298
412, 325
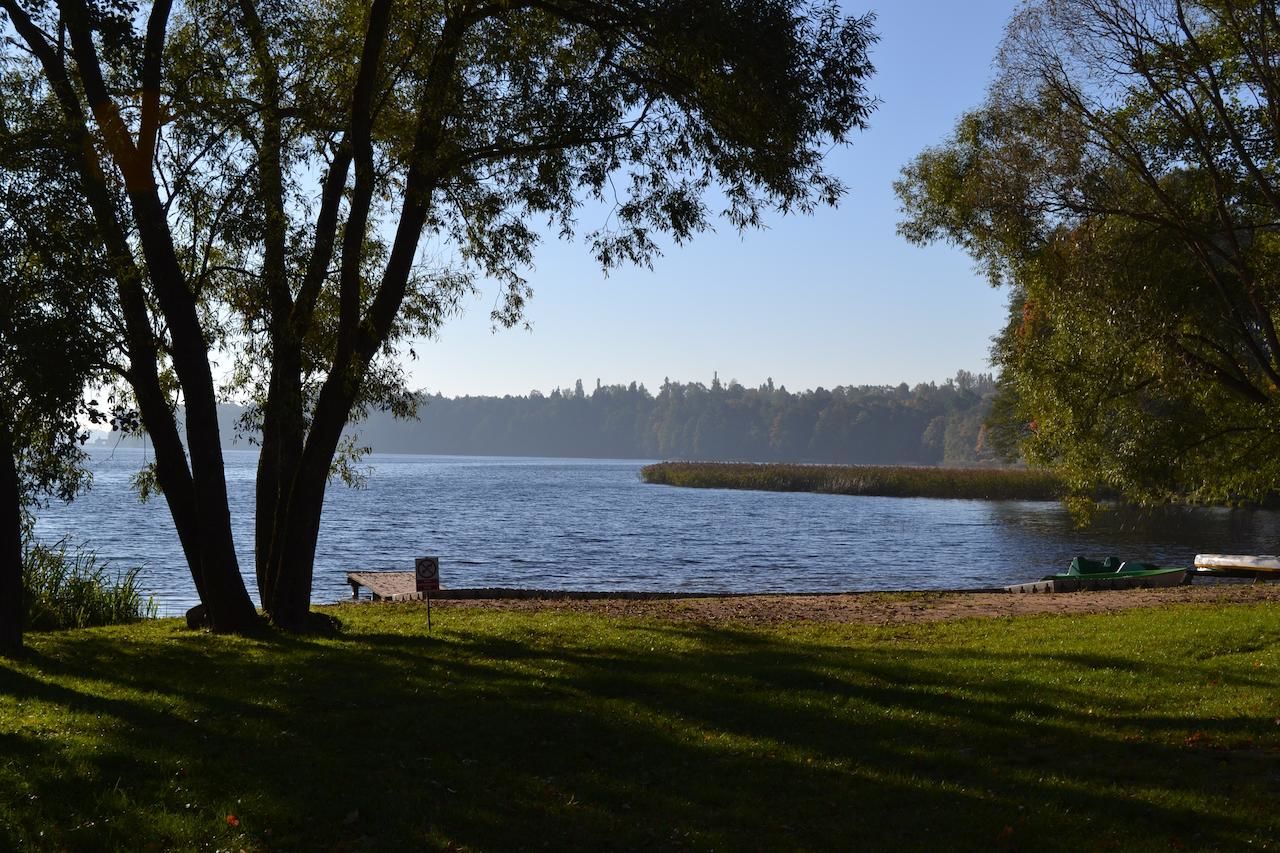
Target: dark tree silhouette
263, 174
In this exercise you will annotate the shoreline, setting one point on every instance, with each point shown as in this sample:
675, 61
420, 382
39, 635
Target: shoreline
869, 607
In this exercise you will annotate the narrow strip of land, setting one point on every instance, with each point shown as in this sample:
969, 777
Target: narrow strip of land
868, 480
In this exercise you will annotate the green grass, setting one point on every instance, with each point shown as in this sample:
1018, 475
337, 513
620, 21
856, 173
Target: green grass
1145, 730
883, 480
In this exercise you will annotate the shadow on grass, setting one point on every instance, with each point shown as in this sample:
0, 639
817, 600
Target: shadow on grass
578, 733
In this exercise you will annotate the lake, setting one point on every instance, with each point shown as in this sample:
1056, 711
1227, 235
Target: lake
592, 525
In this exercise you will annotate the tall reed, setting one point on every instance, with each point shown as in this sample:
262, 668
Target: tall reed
70, 588
879, 480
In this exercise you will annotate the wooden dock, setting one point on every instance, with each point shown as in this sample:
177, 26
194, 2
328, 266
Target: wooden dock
387, 586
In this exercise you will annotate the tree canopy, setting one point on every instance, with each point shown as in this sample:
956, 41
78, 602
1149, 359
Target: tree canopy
51, 338
1123, 179
299, 188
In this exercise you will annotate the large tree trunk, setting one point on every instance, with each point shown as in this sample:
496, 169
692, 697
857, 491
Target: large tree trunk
296, 529
294, 466
283, 433
293, 560
200, 509
197, 501
300, 498
221, 586
11, 609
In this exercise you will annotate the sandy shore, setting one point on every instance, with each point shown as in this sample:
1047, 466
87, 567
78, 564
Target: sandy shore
883, 608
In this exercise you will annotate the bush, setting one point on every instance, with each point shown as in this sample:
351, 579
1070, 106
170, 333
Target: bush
65, 588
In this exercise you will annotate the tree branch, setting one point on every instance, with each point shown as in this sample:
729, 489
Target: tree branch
1213, 90
270, 166
152, 65
1241, 387
365, 180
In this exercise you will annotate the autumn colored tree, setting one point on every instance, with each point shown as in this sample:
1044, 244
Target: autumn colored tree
1122, 179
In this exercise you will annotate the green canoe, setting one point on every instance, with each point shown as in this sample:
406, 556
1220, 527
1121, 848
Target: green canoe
1112, 567
1110, 573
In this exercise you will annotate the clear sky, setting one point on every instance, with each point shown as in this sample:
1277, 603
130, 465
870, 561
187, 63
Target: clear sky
836, 298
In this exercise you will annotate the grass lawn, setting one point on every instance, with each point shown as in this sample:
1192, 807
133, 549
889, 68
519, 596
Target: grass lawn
1155, 729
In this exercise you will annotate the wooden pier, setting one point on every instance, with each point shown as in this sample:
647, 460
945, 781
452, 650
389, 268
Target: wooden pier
387, 586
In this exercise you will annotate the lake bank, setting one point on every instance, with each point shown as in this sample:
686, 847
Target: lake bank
862, 480
1137, 730
873, 608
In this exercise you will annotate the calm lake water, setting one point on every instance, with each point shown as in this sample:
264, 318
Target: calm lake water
592, 525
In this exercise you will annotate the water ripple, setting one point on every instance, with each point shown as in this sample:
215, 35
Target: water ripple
587, 524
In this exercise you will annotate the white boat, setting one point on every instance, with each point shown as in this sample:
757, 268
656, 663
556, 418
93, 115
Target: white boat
1238, 564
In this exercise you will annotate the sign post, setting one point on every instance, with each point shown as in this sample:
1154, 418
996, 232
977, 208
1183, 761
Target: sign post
426, 579
426, 574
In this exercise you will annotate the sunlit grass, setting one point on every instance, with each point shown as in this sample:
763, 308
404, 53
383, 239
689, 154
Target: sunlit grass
1138, 730
881, 480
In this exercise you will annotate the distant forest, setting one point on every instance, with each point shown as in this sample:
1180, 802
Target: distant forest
926, 425
930, 424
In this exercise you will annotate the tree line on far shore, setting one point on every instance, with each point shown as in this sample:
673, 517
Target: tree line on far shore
929, 424
944, 423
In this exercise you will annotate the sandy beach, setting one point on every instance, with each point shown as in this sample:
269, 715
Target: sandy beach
882, 608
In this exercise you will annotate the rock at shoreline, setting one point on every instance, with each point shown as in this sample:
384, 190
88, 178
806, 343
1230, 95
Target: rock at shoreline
197, 618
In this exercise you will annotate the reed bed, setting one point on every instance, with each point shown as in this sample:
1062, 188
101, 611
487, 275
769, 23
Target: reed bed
878, 480
70, 588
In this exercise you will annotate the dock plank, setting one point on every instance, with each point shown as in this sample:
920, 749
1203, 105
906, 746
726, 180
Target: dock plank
385, 586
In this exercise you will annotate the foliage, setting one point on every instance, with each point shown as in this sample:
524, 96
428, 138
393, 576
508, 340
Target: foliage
70, 588
581, 732
895, 482
924, 425
1121, 180
305, 187
51, 343
51, 277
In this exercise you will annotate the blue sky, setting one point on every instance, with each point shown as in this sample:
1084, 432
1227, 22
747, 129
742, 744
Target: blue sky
836, 298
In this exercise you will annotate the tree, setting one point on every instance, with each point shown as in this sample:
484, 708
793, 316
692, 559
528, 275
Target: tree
264, 171
1121, 178
50, 340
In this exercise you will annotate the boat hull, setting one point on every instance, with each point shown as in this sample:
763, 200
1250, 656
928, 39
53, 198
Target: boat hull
1080, 583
